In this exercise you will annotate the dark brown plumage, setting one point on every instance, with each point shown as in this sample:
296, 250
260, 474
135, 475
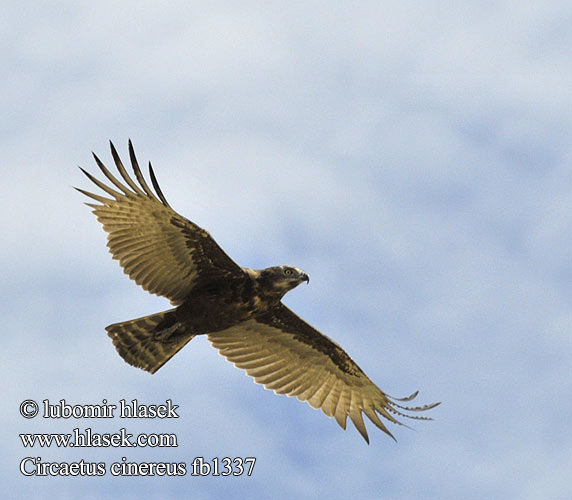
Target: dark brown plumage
239, 309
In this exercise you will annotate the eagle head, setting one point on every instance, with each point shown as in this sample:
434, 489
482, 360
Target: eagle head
278, 280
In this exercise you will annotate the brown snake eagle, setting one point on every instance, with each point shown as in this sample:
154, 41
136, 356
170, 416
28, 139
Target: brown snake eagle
238, 309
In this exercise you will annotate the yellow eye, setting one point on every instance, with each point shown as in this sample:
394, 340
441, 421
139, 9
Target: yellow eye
288, 272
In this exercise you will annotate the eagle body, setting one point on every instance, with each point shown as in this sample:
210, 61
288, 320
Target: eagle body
237, 308
214, 306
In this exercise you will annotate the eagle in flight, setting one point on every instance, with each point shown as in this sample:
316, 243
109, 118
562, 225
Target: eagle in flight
237, 308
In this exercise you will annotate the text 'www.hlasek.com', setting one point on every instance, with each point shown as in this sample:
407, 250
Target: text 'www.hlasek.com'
83, 438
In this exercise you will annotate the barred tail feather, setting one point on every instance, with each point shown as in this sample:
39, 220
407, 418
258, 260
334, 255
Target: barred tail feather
149, 342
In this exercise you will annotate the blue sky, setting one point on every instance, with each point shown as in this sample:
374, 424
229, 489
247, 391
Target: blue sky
414, 159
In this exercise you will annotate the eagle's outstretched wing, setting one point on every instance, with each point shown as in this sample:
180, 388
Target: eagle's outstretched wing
162, 251
286, 354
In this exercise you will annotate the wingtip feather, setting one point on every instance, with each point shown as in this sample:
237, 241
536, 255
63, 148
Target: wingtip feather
138, 173
156, 186
96, 197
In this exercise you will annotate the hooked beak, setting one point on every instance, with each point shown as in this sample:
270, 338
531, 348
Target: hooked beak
305, 278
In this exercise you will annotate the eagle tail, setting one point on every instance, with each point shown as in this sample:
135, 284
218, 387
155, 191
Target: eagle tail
149, 342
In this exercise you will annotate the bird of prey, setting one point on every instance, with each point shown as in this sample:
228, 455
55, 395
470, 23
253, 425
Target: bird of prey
237, 308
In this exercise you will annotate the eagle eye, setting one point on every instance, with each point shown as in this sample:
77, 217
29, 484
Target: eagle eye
288, 271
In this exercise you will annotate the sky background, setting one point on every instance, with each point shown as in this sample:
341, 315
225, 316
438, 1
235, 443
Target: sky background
413, 158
